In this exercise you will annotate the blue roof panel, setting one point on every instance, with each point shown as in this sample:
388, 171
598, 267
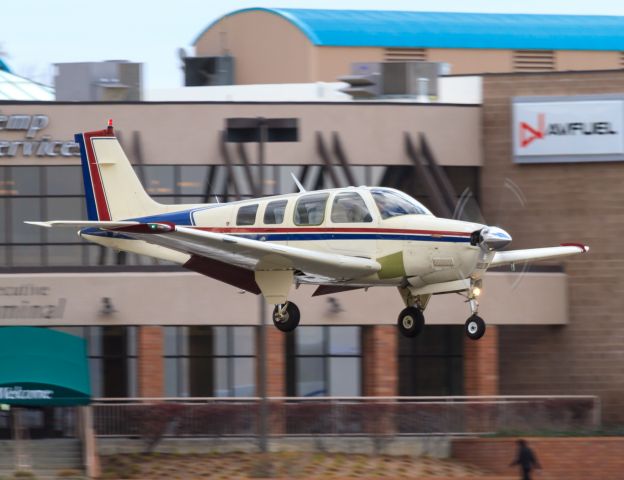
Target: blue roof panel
385, 28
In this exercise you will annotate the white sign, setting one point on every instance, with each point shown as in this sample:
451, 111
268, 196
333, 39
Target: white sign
570, 130
17, 393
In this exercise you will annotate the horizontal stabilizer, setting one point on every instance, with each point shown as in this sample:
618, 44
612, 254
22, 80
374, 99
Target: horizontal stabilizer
83, 224
534, 254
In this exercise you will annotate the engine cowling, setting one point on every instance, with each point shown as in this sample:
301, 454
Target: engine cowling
490, 238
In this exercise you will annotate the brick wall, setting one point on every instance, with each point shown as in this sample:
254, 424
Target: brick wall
561, 458
481, 364
151, 367
564, 203
379, 361
276, 362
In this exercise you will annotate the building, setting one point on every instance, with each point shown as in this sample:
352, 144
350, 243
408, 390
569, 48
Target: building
155, 330
281, 45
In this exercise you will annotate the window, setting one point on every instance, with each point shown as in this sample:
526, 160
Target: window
247, 215
274, 212
432, 363
392, 203
324, 361
310, 209
203, 361
350, 208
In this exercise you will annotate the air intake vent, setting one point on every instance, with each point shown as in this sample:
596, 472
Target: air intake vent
533, 60
405, 55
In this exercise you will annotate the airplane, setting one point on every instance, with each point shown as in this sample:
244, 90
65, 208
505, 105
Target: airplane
338, 239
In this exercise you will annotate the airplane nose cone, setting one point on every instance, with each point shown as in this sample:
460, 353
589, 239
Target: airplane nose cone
495, 238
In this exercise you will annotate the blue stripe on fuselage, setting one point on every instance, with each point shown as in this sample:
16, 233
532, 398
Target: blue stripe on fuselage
294, 237
302, 237
86, 177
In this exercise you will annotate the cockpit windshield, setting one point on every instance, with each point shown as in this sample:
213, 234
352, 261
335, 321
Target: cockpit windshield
392, 203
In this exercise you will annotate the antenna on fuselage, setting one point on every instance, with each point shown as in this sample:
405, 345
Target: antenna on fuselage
298, 183
217, 199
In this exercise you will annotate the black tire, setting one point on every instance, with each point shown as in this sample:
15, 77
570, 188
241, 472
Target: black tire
289, 321
411, 321
475, 327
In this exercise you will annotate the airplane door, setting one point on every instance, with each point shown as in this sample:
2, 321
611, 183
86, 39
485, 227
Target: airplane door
351, 225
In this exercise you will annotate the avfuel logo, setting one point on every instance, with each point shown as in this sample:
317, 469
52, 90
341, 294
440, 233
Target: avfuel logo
529, 133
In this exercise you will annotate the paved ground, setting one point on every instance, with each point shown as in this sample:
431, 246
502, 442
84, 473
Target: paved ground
284, 466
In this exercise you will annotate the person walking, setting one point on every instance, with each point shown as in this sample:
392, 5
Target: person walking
526, 459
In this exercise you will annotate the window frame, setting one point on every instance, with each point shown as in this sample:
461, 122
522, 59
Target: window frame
292, 358
266, 211
182, 356
255, 207
363, 203
295, 212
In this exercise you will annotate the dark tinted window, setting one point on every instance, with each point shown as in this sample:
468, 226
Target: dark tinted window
247, 215
274, 212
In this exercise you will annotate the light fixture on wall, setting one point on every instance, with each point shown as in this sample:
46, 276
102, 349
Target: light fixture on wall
107, 307
334, 307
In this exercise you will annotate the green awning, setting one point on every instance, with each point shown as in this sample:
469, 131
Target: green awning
43, 367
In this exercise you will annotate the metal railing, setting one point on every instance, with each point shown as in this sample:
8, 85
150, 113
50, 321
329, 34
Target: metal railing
346, 415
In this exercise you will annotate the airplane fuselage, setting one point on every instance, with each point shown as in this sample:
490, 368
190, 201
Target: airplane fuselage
409, 244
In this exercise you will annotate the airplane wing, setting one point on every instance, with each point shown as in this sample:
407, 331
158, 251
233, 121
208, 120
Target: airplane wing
82, 224
258, 255
242, 252
533, 254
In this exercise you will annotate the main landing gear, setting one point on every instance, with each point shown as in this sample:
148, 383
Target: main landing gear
411, 321
286, 316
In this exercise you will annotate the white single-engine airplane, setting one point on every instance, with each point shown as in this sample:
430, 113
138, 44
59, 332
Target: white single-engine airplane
339, 239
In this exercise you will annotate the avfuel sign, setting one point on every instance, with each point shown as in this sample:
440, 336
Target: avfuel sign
568, 129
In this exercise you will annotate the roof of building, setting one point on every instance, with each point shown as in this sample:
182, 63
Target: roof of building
14, 87
384, 28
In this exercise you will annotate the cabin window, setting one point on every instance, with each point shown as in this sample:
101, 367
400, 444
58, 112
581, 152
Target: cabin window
392, 203
349, 207
247, 215
274, 212
310, 209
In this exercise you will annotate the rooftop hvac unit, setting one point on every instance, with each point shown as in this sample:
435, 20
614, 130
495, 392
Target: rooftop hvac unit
394, 79
208, 71
109, 81
365, 81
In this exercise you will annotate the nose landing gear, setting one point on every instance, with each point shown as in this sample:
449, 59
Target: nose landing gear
475, 325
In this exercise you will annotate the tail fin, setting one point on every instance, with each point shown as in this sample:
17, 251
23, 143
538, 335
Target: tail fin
112, 188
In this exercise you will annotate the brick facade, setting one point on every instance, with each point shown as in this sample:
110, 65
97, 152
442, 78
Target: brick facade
151, 363
564, 458
380, 375
276, 362
574, 202
481, 364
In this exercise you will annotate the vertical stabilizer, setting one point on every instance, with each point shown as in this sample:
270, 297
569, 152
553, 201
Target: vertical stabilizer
113, 190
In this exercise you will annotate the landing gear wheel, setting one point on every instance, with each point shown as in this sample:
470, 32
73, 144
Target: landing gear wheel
475, 327
286, 317
411, 321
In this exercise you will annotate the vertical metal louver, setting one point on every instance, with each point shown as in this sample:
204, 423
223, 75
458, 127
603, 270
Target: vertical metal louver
533, 60
405, 55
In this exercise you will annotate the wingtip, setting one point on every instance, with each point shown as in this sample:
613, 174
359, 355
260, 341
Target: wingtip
584, 248
39, 224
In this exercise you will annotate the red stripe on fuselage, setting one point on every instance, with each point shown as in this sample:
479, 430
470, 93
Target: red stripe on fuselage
331, 230
101, 204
